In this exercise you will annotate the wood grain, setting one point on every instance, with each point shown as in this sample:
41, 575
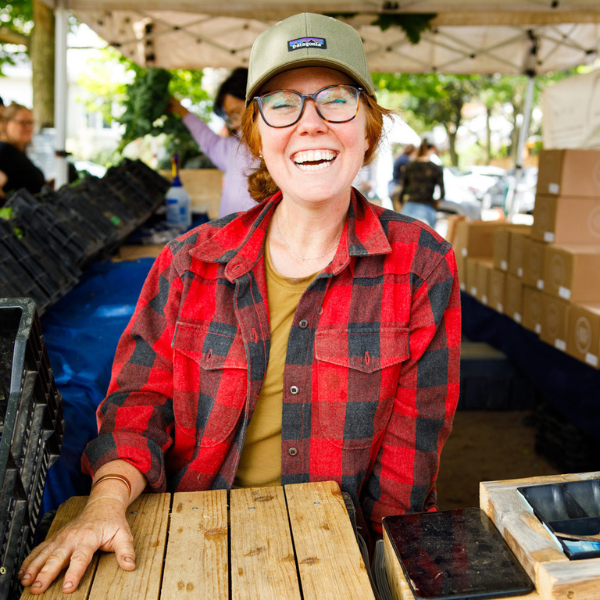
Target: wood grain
197, 552
573, 580
262, 554
326, 547
148, 518
67, 511
395, 576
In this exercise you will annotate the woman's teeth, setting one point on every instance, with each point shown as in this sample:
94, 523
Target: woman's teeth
314, 160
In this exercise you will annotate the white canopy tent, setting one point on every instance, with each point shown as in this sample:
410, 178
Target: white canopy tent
467, 36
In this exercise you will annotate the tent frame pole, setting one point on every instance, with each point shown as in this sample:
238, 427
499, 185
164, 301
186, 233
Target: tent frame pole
60, 93
511, 205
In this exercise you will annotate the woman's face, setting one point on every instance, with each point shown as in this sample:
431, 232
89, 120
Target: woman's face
234, 108
313, 161
19, 129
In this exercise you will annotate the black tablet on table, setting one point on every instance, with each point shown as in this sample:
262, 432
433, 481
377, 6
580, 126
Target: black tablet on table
455, 554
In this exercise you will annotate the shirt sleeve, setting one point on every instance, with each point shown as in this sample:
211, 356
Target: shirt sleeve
216, 147
136, 419
406, 467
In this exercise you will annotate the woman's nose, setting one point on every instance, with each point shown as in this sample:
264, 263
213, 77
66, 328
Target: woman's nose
311, 121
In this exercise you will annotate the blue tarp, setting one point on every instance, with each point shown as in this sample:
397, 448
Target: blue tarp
81, 333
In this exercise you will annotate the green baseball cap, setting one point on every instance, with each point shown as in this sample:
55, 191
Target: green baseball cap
307, 40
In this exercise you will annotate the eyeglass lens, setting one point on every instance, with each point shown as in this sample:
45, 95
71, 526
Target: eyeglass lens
336, 104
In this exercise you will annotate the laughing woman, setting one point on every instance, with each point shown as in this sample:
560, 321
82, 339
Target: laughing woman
314, 337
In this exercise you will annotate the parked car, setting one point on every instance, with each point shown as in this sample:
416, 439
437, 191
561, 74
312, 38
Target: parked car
525, 189
489, 184
459, 200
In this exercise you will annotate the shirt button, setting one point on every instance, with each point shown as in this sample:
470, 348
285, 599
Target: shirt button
293, 451
303, 324
294, 390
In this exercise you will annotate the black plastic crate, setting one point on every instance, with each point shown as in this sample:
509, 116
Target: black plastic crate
78, 200
125, 187
29, 275
31, 434
64, 229
51, 256
153, 182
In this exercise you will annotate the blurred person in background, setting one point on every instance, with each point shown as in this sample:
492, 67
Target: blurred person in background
409, 152
16, 131
419, 182
228, 154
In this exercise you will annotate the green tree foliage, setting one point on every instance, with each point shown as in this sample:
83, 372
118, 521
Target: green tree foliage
140, 106
434, 99
427, 100
16, 23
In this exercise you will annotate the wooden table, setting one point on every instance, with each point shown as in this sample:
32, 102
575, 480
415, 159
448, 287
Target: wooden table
276, 543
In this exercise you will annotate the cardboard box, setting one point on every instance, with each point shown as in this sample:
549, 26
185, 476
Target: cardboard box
471, 280
566, 219
484, 269
475, 239
515, 260
533, 263
502, 237
204, 188
497, 287
569, 172
583, 342
513, 298
461, 264
532, 309
453, 221
572, 272
555, 321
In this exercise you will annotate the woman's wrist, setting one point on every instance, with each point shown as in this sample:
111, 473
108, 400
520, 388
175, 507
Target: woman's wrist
108, 497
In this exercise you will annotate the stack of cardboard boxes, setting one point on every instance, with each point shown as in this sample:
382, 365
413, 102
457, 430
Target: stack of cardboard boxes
545, 276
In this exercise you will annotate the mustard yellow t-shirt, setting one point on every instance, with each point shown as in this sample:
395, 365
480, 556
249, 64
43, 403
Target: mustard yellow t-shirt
260, 462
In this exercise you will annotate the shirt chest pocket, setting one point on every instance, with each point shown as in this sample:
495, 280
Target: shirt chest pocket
210, 382
357, 377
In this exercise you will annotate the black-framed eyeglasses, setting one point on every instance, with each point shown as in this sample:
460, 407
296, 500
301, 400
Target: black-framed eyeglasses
334, 104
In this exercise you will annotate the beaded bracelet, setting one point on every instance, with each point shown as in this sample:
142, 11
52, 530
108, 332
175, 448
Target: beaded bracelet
113, 476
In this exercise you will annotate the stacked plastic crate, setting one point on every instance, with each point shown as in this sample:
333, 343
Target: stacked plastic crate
31, 430
51, 237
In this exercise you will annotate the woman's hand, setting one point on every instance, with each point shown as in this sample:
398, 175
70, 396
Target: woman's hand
176, 107
101, 526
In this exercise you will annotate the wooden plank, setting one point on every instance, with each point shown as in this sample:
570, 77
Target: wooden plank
329, 559
197, 561
148, 518
523, 531
262, 554
395, 575
575, 580
67, 511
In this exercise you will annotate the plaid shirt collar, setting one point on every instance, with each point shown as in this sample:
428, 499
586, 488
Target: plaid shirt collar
239, 244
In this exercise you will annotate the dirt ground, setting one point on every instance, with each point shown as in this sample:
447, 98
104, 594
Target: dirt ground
487, 446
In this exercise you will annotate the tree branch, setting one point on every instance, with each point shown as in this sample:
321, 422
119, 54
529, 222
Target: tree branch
7, 36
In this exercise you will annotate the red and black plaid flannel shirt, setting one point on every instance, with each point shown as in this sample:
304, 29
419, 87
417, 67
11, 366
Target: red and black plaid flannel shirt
371, 375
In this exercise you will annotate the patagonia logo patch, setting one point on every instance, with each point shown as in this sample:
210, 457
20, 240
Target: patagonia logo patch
307, 42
